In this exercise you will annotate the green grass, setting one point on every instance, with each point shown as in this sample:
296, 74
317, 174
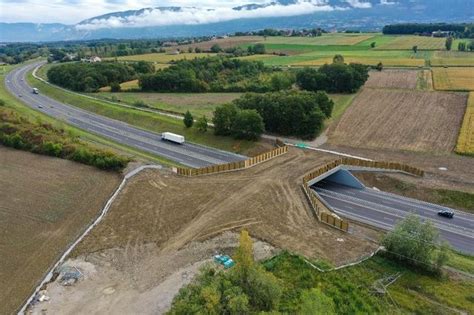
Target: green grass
324, 40
97, 141
457, 199
145, 120
461, 262
351, 288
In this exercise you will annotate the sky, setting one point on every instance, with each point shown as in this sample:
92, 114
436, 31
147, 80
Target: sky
73, 11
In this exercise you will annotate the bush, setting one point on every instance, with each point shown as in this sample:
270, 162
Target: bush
201, 124
2, 102
115, 87
414, 243
188, 119
140, 103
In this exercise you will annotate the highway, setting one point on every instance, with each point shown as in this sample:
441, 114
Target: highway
384, 210
188, 154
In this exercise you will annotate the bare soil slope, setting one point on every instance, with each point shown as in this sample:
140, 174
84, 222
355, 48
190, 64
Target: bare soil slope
401, 120
44, 204
171, 211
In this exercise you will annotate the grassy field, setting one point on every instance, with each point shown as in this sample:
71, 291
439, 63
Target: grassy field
197, 103
46, 203
465, 144
401, 120
352, 288
150, 121
407, 42
453, 79
453, 62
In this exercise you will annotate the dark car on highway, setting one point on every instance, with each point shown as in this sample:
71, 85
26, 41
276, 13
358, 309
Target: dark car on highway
446, 213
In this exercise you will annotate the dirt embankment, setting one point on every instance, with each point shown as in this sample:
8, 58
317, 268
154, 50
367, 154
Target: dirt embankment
45, 203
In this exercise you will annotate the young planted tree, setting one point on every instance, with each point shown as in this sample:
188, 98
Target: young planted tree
201, 124
415, 49
338, 59
372, 45
449, 43
188, 119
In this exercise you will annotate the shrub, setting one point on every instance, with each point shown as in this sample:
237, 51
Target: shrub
188, 119
2, 102
141, 104
115, 87
201, 124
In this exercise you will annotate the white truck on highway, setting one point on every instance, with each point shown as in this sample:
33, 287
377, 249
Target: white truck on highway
35, 91
172, 137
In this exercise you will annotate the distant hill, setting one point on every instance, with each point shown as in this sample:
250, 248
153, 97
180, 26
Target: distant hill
165, 22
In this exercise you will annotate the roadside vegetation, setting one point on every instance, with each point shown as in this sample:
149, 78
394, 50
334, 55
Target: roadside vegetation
465, 144
290, 284
43, 138
89, 77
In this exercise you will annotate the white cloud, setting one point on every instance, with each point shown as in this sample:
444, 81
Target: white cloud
194, 12
387, 2
194, 15
359, 4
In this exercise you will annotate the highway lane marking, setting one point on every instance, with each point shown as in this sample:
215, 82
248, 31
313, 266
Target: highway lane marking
452, 228
204, 159
362, 201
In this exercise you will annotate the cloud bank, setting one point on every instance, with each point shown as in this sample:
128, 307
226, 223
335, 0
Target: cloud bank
193, 15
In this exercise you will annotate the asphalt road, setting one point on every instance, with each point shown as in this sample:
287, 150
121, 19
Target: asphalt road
384, 210
188, 154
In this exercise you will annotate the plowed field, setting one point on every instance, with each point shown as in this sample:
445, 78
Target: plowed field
393, 79
401, 120
45, 203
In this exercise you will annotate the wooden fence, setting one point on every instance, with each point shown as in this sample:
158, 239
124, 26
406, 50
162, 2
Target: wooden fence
323, 213
363, 163
233, 165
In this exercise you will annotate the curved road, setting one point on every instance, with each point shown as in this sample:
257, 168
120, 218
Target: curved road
188, 154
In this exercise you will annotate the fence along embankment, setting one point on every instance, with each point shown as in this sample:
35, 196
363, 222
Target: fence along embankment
233, 166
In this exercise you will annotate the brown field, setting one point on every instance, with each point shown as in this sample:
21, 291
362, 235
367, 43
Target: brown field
453, 79
391, 62
393, 79
45, 203
402, 120
324, 40
407, 42
223, 42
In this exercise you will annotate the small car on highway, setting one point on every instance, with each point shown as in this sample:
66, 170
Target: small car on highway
446, 214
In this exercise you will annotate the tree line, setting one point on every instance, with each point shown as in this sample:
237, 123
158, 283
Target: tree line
212, 74
89, 77
462, 30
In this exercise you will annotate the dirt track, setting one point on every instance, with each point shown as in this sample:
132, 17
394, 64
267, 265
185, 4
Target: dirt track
44, 204
401, 120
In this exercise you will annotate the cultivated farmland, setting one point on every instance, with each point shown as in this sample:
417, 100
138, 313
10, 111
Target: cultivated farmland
324, 40
163, 57
465, 143
453, 79
407, 42
393, 79
45, 204
401, 120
